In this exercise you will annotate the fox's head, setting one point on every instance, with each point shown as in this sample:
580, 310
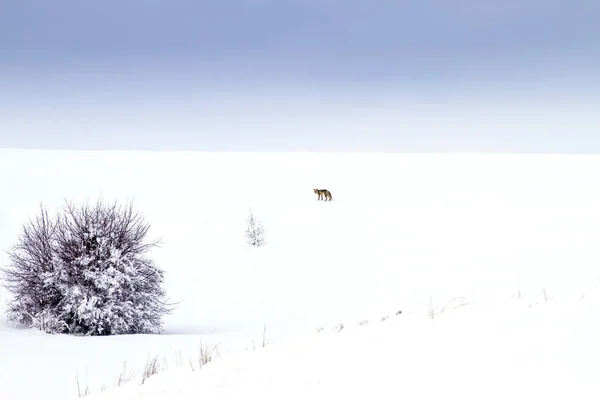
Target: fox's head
316, 190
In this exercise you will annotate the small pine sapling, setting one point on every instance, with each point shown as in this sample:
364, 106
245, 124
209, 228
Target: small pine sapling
255, 232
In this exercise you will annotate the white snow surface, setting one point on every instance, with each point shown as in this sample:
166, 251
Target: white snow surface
508, 242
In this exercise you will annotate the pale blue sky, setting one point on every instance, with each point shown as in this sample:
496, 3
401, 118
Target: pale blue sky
430, 75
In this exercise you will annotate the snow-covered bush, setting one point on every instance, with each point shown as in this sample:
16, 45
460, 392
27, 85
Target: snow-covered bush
85, 271
255, 232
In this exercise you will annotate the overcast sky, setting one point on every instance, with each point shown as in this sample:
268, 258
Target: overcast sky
306, 75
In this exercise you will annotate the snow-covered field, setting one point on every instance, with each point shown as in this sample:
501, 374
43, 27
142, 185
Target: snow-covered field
513, 237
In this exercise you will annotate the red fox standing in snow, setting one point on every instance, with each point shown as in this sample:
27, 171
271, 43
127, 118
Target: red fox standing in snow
323, 193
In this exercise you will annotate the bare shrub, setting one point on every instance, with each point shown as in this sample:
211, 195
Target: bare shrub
85, 271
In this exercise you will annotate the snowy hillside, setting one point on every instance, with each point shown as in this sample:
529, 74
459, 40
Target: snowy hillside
403, 232
471, 353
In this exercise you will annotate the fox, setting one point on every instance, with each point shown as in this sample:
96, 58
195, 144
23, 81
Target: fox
323, 193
